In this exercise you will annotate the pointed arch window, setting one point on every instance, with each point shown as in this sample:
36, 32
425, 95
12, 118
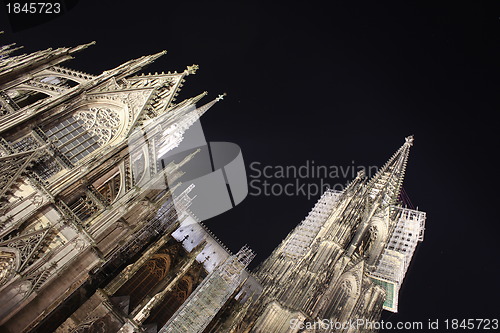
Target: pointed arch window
103, 122
145, 279
87, 129
162, 313
72, 139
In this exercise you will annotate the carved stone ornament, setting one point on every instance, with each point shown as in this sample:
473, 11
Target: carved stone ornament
100, 121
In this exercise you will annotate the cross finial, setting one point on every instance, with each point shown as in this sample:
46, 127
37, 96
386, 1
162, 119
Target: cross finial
409, 140
220, 97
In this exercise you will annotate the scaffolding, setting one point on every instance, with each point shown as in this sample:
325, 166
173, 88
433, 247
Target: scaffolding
396, 257
302, 237
165, 217
203, 304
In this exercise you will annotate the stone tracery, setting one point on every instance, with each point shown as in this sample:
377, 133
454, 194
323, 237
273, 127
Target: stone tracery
100, 121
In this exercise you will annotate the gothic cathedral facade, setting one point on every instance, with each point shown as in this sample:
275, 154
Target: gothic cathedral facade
93, 239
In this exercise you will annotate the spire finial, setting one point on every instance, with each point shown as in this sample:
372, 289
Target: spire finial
159, 54
409, 140
220, 97
192, 69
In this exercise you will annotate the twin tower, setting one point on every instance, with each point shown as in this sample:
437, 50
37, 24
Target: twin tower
98, 234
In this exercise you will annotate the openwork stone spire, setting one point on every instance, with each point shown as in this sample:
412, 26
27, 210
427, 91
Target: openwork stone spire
386, 184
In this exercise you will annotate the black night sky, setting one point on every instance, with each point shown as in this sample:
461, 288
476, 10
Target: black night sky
333, 84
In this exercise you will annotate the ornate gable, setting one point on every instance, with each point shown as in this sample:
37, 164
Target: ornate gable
27, 246
12, 166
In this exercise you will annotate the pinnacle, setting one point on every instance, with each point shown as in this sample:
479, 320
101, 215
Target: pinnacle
155, 56
409, 140
150, 58
81, 47
200, 96
159, 54
191, 70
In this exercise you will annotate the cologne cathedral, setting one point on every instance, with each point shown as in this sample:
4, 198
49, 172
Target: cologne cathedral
93, 238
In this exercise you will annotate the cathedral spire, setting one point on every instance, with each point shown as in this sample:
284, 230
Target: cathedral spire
148, 59
118, 72
133, 65
81, 47
192, 100
382, 191
386, 184
204, 108
177, 121
8, 49
14, 67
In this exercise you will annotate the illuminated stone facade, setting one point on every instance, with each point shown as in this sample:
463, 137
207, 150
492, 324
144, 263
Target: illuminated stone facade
92, 240
345, 262
88, 223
